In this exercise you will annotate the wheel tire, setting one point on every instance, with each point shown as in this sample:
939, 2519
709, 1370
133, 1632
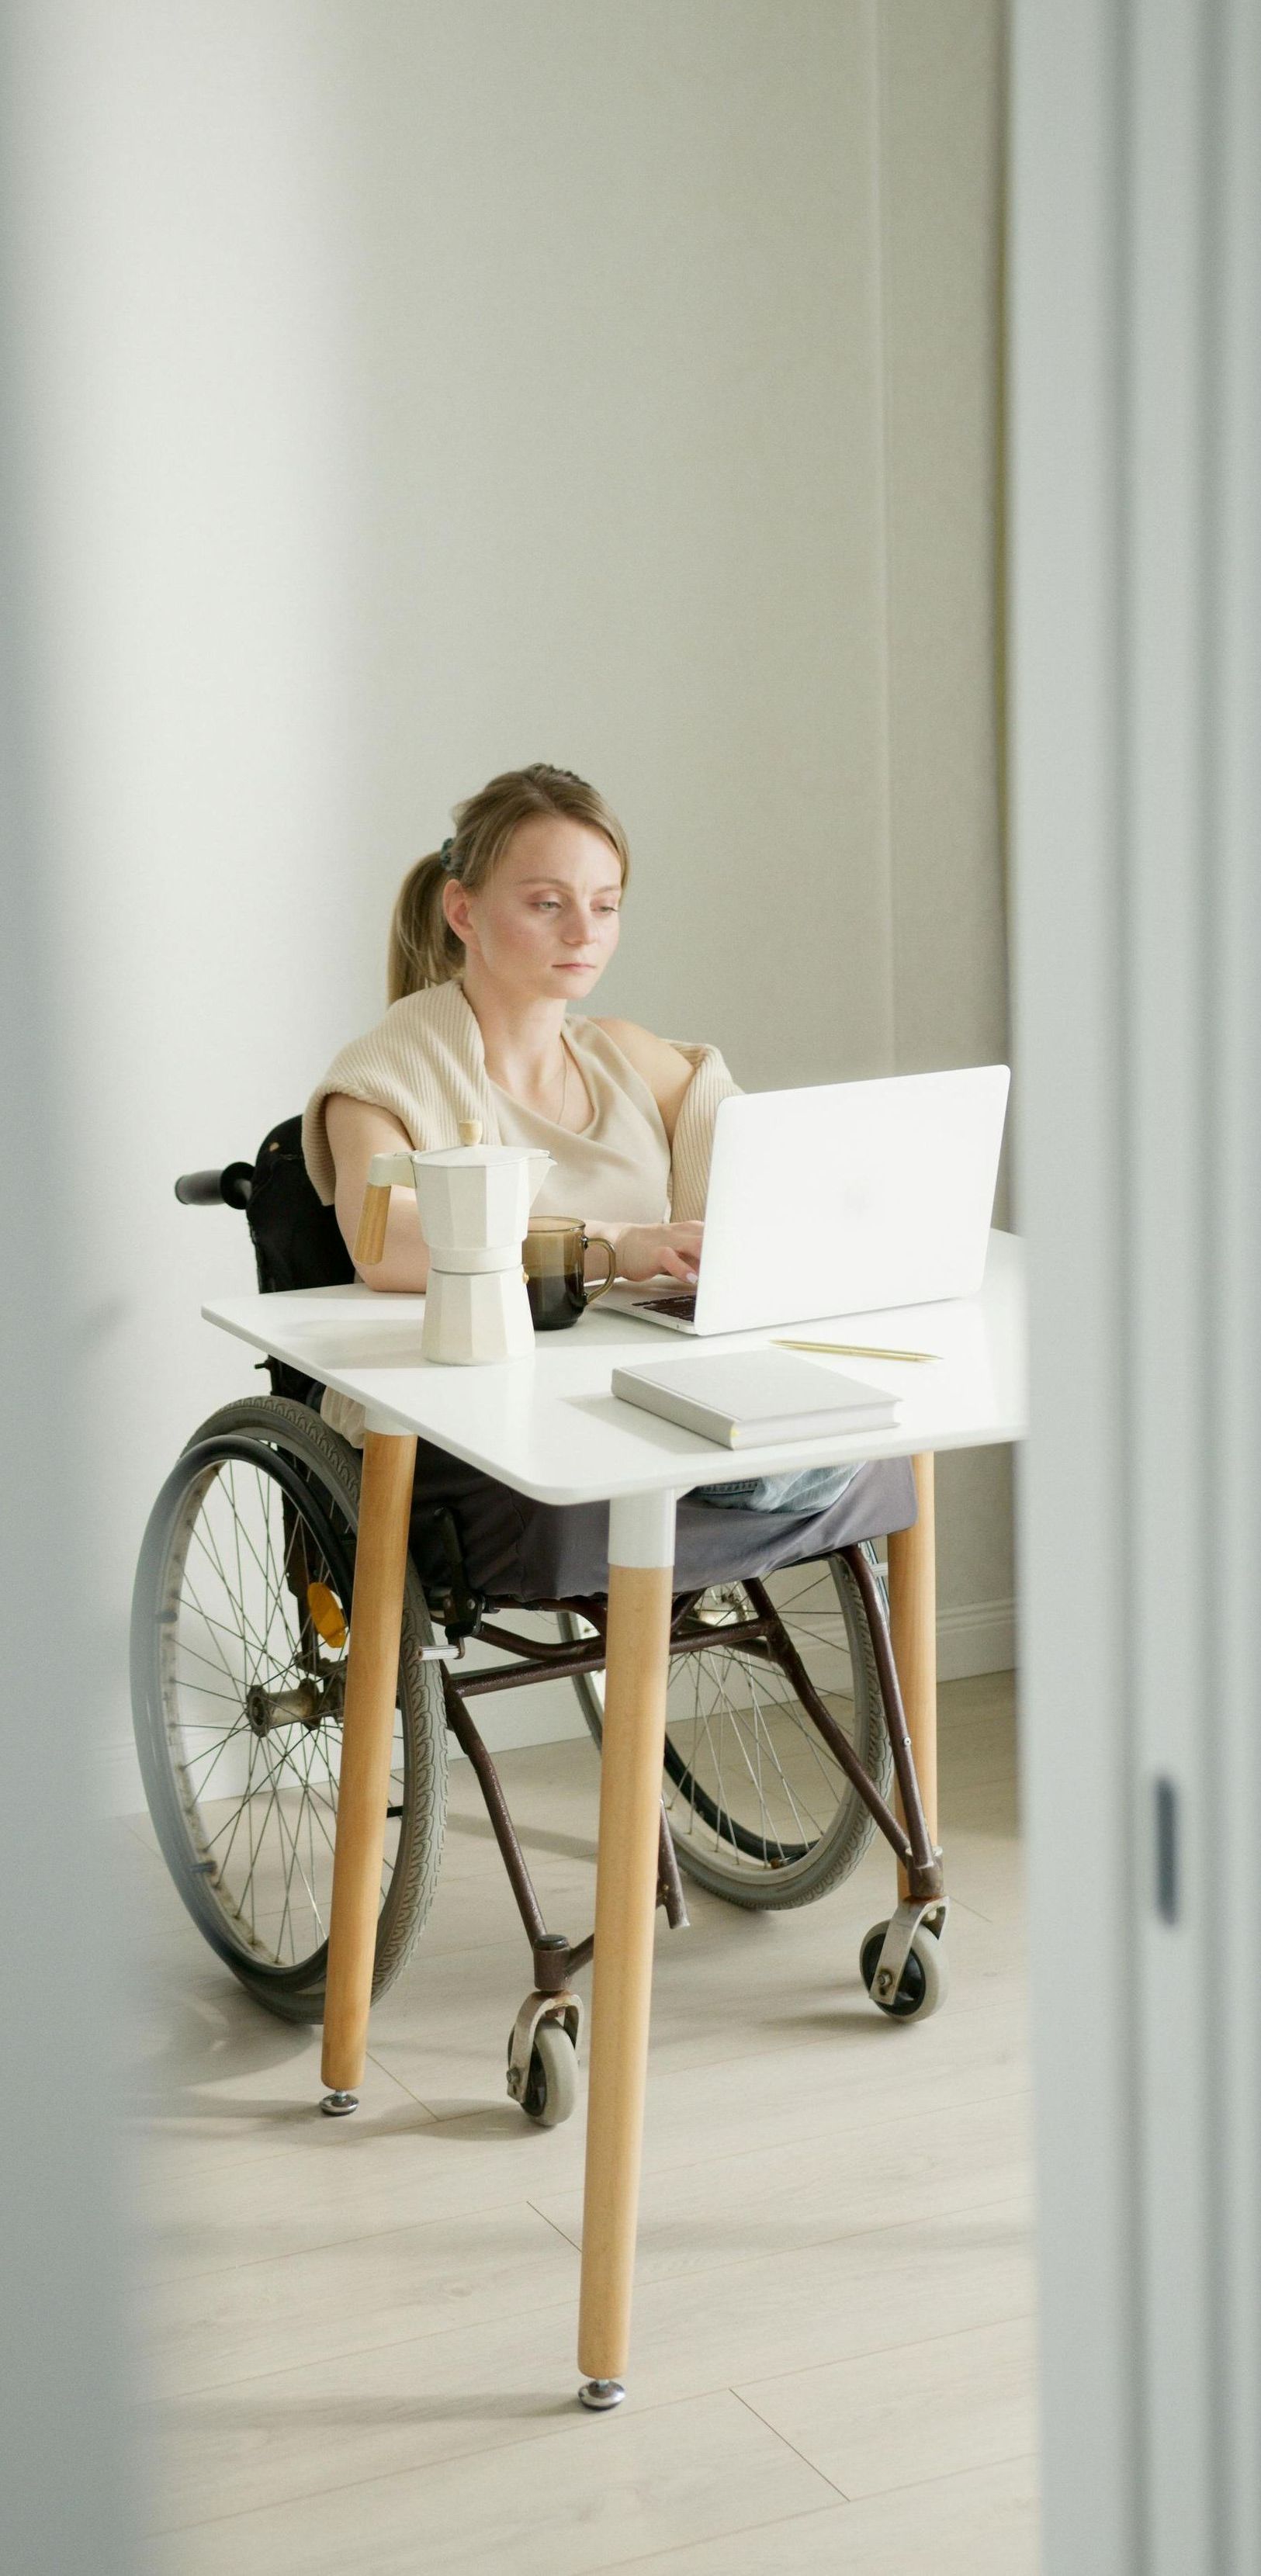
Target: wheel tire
925, 1979
844, 1836
552, 2086
317, 1474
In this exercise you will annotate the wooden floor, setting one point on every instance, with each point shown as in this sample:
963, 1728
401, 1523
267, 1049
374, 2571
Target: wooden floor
357, 2337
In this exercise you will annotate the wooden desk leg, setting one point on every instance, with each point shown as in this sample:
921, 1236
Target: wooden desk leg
641, 1575
913, 1623
376, 1620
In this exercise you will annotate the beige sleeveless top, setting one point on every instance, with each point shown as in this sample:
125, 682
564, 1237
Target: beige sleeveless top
425, 1063
618, 1167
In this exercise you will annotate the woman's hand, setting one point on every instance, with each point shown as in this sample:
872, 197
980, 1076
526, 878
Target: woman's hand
648, 1251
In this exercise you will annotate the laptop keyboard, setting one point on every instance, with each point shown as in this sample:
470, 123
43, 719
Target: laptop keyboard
683, 1307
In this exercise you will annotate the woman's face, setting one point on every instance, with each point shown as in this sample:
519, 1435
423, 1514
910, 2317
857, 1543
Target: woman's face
546, 924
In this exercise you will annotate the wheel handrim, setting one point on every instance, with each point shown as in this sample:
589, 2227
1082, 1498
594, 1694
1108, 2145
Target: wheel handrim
252, 1696
752, 1790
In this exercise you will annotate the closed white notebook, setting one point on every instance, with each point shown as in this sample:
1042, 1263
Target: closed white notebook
745, 1397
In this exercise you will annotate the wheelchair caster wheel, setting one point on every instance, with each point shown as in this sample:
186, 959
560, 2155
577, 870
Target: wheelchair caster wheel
551, 2088
923, 1982
601, 2394
336, 2105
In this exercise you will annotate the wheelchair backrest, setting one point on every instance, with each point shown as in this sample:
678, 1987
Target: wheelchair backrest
297, 1241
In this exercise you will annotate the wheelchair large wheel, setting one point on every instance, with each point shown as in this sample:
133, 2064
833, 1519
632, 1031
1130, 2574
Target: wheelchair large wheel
239, 1645
759, 1808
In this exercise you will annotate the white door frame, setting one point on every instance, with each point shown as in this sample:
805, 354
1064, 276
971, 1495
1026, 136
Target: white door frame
1136, 761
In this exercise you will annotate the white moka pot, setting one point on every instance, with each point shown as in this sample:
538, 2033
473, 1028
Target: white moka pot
474, 1204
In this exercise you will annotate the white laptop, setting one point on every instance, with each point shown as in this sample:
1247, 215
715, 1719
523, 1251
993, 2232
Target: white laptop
839, 1199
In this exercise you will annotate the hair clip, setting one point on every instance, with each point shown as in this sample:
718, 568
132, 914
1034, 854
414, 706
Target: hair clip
446, 857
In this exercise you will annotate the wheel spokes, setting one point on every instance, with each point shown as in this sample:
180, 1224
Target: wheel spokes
258, 1783
754, 1783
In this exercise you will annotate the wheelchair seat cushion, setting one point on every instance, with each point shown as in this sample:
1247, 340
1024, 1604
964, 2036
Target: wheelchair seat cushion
517, 1551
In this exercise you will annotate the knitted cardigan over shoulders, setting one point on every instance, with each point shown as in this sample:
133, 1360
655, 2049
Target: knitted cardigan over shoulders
425, 1062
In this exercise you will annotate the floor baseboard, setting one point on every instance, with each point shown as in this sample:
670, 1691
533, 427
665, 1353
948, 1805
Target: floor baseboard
976, 1637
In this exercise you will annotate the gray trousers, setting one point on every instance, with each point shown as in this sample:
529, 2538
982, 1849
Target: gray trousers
519, 1551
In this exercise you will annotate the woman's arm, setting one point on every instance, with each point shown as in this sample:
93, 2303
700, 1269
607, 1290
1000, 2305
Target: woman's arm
356, 1131
660, 1065
655, 1251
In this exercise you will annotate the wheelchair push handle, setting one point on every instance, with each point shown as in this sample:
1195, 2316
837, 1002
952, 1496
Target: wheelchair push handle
229, 1188
385, 1171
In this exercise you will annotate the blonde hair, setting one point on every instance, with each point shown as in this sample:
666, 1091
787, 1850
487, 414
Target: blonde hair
423, 947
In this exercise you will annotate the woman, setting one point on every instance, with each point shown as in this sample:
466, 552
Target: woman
493, 938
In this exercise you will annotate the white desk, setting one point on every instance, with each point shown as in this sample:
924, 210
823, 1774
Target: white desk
550, 1427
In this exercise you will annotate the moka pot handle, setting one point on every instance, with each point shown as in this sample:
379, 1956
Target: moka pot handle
385, 1172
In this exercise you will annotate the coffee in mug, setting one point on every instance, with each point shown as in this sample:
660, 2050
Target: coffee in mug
554, 1258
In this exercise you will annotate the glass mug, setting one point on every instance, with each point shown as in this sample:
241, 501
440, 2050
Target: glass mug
554, 1257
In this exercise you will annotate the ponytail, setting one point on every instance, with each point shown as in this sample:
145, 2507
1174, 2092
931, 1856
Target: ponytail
423, 947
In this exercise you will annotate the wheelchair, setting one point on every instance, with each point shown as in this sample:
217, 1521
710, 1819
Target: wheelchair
784, 1722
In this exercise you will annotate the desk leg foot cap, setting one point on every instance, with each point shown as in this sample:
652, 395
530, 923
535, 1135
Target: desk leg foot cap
601, 2394
338, 2104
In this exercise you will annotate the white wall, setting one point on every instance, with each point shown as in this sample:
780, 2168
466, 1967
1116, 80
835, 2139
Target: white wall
197, 528
940, 143
451, 387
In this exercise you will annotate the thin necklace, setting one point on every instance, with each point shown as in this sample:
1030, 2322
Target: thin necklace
564, 1085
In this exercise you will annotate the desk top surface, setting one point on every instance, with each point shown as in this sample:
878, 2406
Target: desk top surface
549, 1425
